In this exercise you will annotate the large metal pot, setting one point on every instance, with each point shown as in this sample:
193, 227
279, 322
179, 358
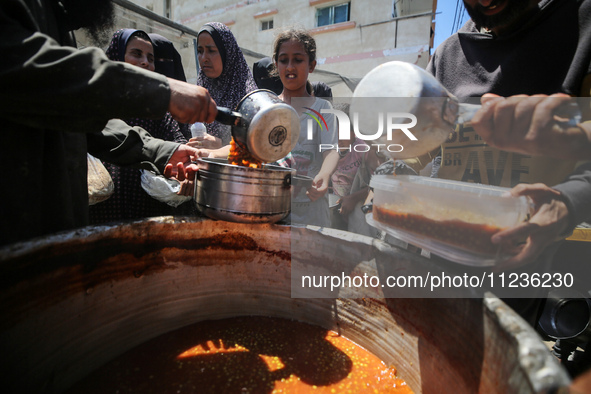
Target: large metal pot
69, 303
267, 126
243, 194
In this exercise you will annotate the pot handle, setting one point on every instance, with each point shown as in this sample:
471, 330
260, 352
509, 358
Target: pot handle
287, 180
228, 117
302, 181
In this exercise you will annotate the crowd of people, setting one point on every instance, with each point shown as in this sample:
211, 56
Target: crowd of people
60, 103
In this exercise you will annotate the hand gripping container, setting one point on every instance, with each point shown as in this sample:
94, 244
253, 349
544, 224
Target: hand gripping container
452, 219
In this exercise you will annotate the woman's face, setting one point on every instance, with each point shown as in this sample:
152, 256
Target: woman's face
140, 52
293, 64
209, 56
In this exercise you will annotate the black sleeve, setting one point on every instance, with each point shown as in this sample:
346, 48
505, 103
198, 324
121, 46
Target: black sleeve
128, 146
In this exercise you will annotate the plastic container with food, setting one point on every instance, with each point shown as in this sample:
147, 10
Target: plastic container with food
454, 220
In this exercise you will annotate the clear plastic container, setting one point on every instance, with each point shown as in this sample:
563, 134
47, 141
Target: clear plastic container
198, 130
454, 220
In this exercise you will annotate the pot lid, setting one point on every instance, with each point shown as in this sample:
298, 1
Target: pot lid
273, 132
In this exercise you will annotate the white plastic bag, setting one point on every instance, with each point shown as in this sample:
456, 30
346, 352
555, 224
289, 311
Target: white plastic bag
100, 184
163, 189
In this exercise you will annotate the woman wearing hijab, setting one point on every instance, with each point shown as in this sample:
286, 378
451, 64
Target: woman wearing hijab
223, 71
129, 201
167, 61
166, 58
262, 71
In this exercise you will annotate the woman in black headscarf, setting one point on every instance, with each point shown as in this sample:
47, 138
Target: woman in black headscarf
262, 71
167, 59
223, 71
129, 200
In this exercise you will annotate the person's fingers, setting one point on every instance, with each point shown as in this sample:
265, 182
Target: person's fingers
182, 189
483, 121
211, 112
502, 123
525, 108
186, 189
537, 191
488, 97
189, 152
168, 171
530, 251
321, 187
180, 172
546, 114
191, 171
313, 194
514, 234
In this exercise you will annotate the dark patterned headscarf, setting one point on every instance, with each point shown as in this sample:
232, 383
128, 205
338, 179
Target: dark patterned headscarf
234, 82
116, 49
129, 201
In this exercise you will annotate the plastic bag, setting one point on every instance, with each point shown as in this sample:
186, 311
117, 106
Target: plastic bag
100, 184
163, 189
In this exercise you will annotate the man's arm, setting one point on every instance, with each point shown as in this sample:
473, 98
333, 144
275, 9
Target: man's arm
128, 146
47, 85
576, 191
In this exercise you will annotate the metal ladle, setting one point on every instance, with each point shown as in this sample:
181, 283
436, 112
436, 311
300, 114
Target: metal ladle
267, 126
400, 87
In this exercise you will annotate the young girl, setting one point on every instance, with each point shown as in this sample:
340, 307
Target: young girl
294, 54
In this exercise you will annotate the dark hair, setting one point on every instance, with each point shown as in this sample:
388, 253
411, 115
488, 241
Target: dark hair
299, 35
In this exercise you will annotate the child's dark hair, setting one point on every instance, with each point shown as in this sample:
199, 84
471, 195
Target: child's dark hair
299, 35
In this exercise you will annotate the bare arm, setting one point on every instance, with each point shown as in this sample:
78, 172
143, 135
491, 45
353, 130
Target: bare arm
321, 180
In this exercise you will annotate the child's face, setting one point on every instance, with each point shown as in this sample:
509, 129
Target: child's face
140, 52
293, 65
209, 56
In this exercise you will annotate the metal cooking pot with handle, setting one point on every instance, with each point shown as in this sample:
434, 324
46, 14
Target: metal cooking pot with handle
267, 126
243, 194
402, 87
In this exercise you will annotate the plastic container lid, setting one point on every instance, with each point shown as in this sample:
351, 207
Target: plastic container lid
452, 219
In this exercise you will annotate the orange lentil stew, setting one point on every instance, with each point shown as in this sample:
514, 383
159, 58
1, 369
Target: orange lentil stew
469, 236
246, 355
240, 156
